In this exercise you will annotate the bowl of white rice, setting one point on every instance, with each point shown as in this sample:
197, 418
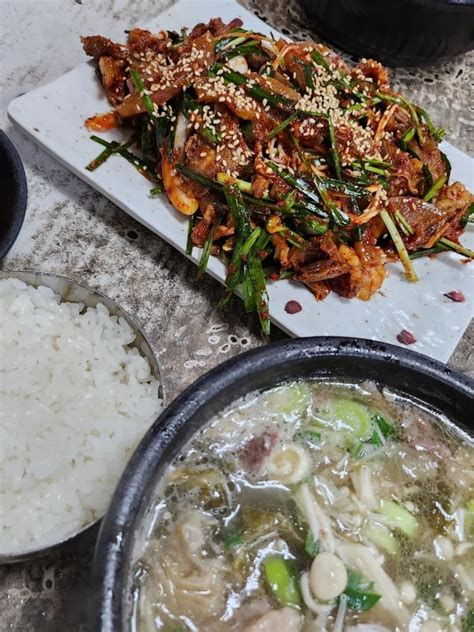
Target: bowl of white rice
79, 387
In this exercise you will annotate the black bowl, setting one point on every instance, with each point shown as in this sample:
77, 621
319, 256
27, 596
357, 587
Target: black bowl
14, 194
396, 32
417, 376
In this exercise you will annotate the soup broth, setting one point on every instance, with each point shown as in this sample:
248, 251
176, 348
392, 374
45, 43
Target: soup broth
312, 507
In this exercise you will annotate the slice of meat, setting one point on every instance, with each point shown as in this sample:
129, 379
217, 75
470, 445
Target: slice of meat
140, 41
271, 84
349, 144
328, 246
264, 123
321, 271
298, 54
319, 261
231, 155
374, 229
257, 450
300, 257
214, 90
431, 157
319, 289
455, 200
113, 78
421, 435
312, 133
400, 121
200, 156
216, 26
195, 58
371, 72
203, 227
426, 219
407, 171
97, 46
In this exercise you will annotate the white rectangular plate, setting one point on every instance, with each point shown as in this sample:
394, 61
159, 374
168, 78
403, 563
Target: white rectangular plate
54, 115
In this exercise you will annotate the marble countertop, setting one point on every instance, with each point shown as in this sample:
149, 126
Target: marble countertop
72, 230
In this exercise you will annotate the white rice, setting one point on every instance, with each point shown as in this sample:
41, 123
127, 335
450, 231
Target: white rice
75, 400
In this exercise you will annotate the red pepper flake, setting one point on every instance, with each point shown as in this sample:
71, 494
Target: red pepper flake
293, 307
406, 337
456, 295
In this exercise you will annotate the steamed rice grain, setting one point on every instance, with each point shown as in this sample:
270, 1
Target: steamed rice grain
75, 399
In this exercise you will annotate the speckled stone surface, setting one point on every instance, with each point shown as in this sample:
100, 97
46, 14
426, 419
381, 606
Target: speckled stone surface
70, 229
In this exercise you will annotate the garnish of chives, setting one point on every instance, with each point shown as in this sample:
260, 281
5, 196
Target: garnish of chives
334, 152
259, 290
404, 225
226, 43
292, 237
100, 159
365, 104
250, 241
437, 134
411, 108
241, 220
189, 241
210, 134
243, 185
319, 59
467, 215
206, 251
435, 187
231, 76
377, 170
408, 135
247, 294
427, 252
399, 245
142, 92
452, 245
144, 167
308, 76
213, 184
314, 227
283, 125
416, 121
338, 216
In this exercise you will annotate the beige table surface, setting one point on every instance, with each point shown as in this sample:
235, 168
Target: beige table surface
72, 230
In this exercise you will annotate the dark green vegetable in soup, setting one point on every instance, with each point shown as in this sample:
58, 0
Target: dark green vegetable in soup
314, 506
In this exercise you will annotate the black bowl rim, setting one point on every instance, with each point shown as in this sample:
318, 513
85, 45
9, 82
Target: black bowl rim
105, 606
19, 182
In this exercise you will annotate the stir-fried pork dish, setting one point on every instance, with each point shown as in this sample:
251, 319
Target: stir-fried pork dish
288, 162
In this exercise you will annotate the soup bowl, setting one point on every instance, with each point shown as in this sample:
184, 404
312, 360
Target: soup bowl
129, 517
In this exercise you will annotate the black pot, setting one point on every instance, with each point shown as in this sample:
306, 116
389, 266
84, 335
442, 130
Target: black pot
396, 32
14, 194
417, 376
